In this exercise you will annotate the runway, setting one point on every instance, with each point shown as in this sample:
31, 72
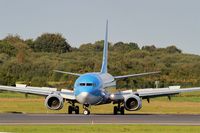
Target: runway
9, 119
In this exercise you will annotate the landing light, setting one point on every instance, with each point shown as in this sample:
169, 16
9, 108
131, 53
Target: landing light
112, 95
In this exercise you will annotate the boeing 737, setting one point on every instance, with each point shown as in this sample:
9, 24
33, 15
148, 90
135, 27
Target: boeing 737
93, 89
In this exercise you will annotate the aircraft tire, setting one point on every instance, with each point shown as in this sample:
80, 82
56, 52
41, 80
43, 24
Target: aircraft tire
77, 110
86, 112
70, 110
122, 110
115, 110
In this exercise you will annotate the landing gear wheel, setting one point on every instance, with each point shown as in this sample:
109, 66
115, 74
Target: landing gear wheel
86, 112
122, 110
115, 110
77, 110
70, 110
118, 109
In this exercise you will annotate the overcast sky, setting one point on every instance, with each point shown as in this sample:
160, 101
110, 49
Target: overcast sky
146, 22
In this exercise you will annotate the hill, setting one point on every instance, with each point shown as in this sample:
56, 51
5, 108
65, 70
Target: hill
33, 61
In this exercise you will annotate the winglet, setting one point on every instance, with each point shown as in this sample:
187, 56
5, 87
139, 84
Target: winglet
105, 52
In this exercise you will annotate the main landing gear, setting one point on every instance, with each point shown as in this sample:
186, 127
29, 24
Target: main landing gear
72, 108
86, 111
118, 109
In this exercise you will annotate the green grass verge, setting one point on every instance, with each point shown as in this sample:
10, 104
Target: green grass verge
99, 129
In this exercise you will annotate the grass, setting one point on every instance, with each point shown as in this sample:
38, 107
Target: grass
188, 103
99, 129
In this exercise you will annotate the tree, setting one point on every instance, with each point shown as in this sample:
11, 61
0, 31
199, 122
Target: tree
86, 47
120, 46
30, 43
13, 39
149, 48
134, 45
49, 42
7, 48
14, 45
99, 45
96, 47
173, 49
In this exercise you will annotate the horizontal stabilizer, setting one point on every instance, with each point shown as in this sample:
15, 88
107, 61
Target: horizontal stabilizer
136, 75
70, 73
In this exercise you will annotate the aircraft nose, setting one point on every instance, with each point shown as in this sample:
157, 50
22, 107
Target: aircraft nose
83, 97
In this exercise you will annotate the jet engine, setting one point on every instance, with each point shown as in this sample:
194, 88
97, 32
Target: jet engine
132, 103
54, 102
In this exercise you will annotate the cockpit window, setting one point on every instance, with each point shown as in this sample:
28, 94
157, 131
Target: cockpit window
82, 84
89, 84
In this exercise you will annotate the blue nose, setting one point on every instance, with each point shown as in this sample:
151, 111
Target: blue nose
87, 89
89, 83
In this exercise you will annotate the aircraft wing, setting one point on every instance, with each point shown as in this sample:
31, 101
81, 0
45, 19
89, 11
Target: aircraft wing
172, 90
136, 75
152, 93
43, 91
68, 94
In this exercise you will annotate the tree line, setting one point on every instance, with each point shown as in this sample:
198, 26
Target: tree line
32, 61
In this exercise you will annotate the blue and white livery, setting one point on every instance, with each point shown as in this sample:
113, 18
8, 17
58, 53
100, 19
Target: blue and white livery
92, 89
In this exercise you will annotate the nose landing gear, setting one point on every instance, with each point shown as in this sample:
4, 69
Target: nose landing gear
86, 111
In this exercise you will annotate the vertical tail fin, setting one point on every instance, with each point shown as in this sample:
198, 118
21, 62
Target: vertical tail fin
105, 52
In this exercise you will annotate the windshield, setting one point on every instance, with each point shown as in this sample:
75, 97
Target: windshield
87, 84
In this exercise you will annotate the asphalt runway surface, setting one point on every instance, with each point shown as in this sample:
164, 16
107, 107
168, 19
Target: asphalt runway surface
9, 119
12, 119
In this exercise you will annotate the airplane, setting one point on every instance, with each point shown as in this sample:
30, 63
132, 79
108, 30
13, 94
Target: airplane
93, 89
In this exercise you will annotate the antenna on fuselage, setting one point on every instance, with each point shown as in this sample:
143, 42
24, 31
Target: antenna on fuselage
105, 52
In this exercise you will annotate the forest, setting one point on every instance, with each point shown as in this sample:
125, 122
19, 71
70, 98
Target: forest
32, 62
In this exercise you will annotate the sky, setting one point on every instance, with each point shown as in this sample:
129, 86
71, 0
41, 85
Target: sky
147, 22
